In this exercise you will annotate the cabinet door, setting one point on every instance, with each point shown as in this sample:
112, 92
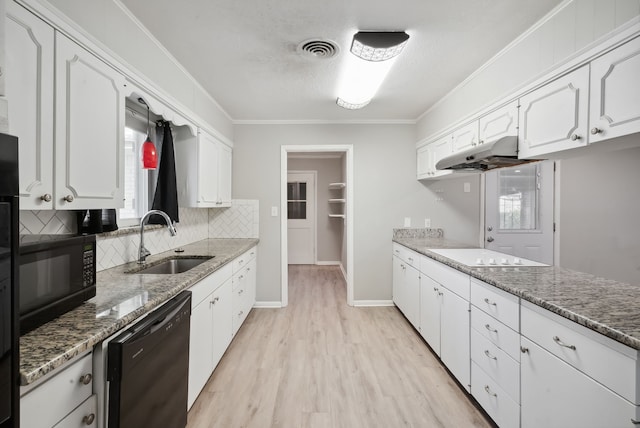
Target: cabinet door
465, 137
454, 339
412, 296
221, 332
615, 93
89, 154
200, 349
555, 394
554, 117
430, 302
85, 415
208, 160
422, 162
398, 278
29, 86
225, 162
439, 150
500, 123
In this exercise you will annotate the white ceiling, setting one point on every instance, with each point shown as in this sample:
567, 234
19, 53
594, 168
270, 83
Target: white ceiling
244, 52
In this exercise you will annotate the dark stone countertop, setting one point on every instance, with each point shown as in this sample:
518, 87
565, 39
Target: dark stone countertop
120, 299
608, 307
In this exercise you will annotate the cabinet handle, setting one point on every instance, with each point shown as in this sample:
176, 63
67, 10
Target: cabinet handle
248, 269
88, 419
46, 197
493, 394
85, 379
241, 262
397, 251
240, 292
215, 300
524, 350
489, 302
595, 131
252, 254
240, 313
575, 137
488, 354
561, 343
633, 421
241, 276
488, 327
410, 259
68, 198
440, 293
481, 142
435, 289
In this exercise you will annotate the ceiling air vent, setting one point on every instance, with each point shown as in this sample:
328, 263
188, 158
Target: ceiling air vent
318, 48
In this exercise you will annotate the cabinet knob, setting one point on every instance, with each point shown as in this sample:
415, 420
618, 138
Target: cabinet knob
595, 131
575, 137
68, 198
490, 239
46, 197
88, 419
86, 379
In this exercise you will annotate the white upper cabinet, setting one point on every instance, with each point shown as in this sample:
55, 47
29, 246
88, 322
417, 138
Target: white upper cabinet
429, 154
203, 168
615, 93
89, 131
554, 117
465, 137
29, 84
499, 123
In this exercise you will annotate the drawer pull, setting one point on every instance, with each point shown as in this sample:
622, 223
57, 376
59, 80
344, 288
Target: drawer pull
493, 394
215, 300
240, 313
489, 302
88, 419
410, 259
524, 350
488, 327
435, 288
248, 269
241, 262
85, 379
240, 292
241, 276
488, 354
561, 343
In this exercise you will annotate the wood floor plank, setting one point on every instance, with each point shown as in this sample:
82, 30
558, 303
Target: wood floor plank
321, 363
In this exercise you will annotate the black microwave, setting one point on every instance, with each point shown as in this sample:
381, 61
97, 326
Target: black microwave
57, 274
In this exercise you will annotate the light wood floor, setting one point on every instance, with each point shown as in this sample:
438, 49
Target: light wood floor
320, 363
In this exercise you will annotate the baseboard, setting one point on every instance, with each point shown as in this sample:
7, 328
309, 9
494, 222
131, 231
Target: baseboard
344, 272
269, 305
372, 303
328, 263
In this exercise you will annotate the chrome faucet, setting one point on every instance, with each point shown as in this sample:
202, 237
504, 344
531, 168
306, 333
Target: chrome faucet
143, 252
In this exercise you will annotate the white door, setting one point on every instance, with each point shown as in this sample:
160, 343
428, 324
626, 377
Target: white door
519, 211
301, 217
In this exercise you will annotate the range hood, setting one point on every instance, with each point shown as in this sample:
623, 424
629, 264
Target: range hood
483, 157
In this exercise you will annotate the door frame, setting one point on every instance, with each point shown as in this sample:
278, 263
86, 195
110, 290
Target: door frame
315, 211
347, 149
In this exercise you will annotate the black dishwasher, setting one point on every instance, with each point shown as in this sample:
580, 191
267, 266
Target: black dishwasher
148, 369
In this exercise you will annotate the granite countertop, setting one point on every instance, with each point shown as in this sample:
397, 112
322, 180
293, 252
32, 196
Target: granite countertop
606, 306
120, 299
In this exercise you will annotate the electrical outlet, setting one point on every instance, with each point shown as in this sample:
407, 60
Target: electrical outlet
467, 187
427, 222
407, 222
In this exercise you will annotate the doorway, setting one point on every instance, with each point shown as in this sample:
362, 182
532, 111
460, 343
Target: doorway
347, 217
519, 211
301, 217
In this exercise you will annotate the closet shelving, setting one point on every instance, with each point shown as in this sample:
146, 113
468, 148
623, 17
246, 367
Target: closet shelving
338, 201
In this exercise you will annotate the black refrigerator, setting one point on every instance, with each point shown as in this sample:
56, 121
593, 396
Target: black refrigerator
9, 336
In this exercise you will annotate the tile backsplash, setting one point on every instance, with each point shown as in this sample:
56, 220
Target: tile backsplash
239, 221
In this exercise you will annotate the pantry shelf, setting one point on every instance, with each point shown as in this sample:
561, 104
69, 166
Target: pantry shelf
337, 185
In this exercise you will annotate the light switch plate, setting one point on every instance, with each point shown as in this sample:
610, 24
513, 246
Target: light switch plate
467, 187
427, 222
274, 211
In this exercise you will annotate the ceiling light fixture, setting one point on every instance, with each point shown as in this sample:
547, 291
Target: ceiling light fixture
373, 55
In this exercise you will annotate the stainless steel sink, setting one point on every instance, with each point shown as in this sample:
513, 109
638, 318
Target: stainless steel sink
172, 266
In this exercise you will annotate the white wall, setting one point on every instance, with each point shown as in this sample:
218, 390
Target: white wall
577, 25
329, 230
385, 187
108, 24
599, 214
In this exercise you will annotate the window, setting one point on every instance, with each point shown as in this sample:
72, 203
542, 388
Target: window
136, 197
518, 197
297, 201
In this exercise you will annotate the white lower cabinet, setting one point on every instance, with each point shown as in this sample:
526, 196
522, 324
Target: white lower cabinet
54, 401
556, 395
244, 289
406, 290
430, 309
494, 400
454, 337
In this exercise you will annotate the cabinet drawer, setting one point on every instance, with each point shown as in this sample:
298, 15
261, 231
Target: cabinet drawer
85, 415
239, 262
452, 279
52, 400
503, 369
499, 334
502, 409
499, 304
408, 256
589, 352
209, 284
